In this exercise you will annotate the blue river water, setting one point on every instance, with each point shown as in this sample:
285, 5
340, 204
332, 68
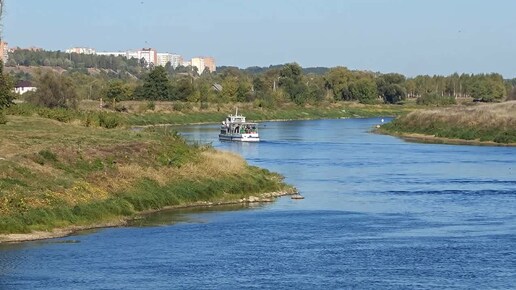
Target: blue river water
378, 213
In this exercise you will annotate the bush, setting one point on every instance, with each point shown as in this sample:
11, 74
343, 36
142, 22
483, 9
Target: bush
434, 99
48, 155
108, 121
24, 109
505, 137
3, 118
54, 91
180, 106
120, 108
151, 105
59, 114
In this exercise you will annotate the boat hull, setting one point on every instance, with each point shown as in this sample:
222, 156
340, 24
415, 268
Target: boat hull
240, 137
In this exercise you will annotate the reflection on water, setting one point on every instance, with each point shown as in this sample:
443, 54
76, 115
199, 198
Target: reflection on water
186, 215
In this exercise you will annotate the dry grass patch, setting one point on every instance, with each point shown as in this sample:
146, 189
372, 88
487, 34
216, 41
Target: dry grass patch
485, 122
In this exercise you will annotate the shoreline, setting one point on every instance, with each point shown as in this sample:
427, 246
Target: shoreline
431, 139
71, 230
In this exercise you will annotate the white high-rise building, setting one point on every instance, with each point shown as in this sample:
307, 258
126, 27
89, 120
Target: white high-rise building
174, 59
113, 53
81, 50
198, 62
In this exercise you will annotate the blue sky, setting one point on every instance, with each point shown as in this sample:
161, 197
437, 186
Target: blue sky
410, 37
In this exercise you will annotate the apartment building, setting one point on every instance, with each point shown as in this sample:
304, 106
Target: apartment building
165, 57
149, 54
81, 50
202, 63
209, 62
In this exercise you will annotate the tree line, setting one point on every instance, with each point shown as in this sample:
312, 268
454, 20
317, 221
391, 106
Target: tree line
121, 79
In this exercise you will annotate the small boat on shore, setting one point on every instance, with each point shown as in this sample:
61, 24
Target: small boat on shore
236, 128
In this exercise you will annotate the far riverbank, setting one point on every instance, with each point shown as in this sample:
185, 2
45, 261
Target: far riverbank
486, 124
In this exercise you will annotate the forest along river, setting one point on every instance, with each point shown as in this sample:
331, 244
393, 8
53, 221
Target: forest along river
378, 212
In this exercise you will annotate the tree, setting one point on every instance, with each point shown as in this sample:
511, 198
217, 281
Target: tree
488, 88
364, 90
512, 95
54, 91
182, 89
6, 87
291, 82
337, 81
118, 90
390, 87
156, 85
230, 89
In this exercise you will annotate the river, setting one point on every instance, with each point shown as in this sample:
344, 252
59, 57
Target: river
378, 212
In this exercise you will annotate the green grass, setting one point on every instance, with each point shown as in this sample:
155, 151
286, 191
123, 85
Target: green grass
189, 113
145, 195
55, 174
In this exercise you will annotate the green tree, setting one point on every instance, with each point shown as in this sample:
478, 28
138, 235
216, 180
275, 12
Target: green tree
230, 89
390, 87
54, 91
291, 83
182, 89
488, 88
364, 90
156, 85
337, 81
6, 87
118, 90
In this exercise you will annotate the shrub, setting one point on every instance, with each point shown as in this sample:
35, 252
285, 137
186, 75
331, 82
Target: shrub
108, 121
3, 118
504, 137
434, 99
120, 108
178, 106
58, 114
54, 90
151, 105
48, 155
24, 109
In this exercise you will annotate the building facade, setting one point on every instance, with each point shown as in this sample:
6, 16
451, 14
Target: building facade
149, 54
201, 63
209, 62
81, 50
24, 86
174, 59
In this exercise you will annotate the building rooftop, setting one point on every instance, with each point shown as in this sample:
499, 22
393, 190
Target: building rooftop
23, 84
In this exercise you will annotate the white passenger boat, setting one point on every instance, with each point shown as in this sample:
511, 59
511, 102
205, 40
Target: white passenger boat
235, 128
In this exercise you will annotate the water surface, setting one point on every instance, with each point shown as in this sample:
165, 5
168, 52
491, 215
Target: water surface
378, 212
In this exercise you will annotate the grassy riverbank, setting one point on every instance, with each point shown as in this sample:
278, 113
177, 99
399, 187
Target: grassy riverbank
478, 124
133, 113
58, 175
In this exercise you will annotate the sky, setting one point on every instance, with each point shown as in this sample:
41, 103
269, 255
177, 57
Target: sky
411, 37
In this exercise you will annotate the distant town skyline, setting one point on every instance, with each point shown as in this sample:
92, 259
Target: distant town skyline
409, 37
